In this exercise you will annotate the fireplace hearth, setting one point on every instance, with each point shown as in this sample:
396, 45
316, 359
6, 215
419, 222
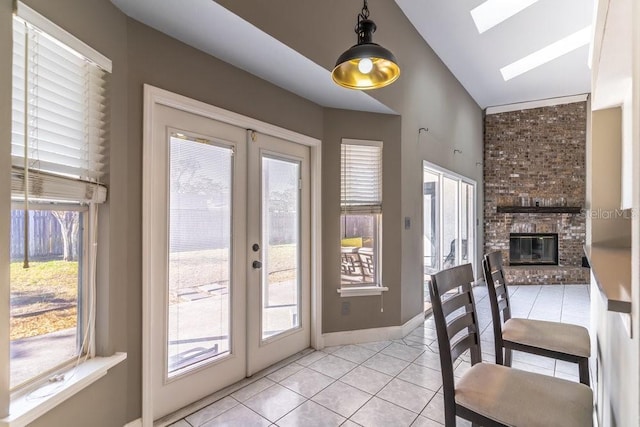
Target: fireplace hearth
533, 249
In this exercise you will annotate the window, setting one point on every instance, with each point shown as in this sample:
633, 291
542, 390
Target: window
361, 213
58, 140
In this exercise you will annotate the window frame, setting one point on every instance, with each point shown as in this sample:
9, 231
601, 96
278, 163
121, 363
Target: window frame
83, 299
373, 208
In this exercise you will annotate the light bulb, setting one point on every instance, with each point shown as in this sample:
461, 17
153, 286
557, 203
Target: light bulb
365, 65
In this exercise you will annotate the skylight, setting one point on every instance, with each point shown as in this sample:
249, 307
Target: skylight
547, 54
492, 12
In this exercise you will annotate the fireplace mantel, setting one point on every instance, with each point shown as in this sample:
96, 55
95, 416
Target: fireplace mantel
539, 209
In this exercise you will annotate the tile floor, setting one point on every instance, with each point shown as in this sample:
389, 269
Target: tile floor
391, 383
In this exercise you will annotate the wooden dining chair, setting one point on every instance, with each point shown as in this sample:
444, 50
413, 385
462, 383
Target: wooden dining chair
488, 394
562, 341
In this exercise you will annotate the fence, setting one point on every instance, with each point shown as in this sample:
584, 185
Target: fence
45, 235
195, 229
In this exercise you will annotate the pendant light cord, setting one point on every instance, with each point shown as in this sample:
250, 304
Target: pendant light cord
364, 14
364, 27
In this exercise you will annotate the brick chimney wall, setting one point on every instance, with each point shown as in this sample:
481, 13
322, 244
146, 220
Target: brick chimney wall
537, 155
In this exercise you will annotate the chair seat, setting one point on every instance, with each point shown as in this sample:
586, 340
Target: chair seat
559, 337
519, 398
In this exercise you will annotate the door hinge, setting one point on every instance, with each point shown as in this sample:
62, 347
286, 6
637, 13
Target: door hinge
253, 135
300, 184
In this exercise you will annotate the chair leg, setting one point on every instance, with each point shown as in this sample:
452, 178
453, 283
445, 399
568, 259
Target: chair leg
583, 368
507, 357
499, 357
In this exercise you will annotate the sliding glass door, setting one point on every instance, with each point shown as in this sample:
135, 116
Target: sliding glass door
449, 221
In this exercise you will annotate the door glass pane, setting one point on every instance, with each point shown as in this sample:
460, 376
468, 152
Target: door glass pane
430, 205
449, 222
44, 331
281, 246
199, 253
467, 219
431, 245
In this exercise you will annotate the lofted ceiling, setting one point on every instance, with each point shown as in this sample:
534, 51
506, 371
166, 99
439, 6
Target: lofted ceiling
476, 59
446, 25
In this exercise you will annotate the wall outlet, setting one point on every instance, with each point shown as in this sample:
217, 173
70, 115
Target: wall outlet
346, 308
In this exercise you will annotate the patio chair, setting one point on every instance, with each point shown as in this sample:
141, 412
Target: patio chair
556, 340
350, 264
366, 261
495, 395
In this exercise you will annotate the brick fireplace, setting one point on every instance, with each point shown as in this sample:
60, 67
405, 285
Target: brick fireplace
534, 184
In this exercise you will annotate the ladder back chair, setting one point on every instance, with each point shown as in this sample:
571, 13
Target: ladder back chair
494, 395
562, 341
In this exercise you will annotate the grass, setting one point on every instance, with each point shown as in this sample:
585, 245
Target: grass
58, 276
46, 323
196, 268
43, 297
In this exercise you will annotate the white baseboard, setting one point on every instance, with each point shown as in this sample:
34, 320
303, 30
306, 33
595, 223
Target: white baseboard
374, 334
134, 423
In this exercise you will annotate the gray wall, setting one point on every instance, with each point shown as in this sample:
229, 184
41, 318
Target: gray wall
425, 96
365, 312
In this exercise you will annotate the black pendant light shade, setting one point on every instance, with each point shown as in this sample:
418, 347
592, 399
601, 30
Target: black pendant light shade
366, 65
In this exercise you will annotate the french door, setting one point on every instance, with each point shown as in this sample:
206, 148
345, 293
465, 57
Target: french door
278, 230
449, 221
227, 240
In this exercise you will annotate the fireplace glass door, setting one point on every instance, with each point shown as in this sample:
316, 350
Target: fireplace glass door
533, 249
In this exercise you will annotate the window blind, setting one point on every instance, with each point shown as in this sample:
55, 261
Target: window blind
60, 112
361, 176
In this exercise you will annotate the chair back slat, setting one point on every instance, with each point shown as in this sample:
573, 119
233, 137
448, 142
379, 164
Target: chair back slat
453, 277
501, 290
464, 321
456, 302
462, 326
462, 345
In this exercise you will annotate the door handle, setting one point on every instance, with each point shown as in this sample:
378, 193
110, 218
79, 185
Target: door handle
256, 264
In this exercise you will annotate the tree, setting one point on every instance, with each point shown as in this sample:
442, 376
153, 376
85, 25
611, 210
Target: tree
69, 222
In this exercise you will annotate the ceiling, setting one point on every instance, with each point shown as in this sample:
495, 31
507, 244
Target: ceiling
475, 59
206, 25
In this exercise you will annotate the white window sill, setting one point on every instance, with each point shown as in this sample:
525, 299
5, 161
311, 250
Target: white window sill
26, 408
362, 291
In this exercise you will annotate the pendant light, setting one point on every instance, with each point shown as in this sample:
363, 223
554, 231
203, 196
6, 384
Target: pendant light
366, 65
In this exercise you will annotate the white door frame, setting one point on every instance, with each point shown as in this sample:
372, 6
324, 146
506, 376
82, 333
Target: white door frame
153, 97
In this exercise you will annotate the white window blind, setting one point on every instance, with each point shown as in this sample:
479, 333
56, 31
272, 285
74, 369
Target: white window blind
361, 176
60, 112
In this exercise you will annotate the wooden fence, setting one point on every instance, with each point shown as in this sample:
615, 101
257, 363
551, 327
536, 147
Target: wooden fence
45, 236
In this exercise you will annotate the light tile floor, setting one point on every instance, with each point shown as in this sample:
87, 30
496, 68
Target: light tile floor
391, 383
